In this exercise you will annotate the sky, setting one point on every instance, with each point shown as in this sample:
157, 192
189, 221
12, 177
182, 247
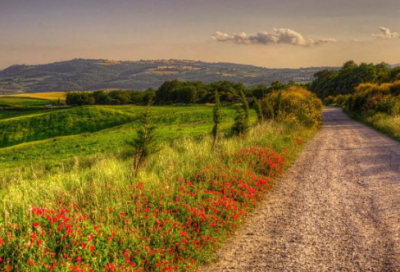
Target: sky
267, 33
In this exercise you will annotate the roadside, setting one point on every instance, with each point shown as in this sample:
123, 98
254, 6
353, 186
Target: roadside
336, 209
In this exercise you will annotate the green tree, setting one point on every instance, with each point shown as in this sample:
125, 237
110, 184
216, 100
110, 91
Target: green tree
217, 119
260, 91
278, 106
258, 108
241, 125
145, 143
268, 110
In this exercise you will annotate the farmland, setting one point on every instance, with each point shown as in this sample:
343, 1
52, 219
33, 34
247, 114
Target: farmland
46, 96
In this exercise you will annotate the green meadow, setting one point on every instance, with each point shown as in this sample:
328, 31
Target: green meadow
24, 101
51, 138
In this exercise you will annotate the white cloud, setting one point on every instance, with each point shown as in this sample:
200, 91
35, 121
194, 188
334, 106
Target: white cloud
386, 34
280, 36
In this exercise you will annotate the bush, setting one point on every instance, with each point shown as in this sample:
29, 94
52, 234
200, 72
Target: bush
371, 98
296, 105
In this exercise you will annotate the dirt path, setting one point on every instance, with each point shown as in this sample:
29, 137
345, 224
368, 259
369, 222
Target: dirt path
336, 209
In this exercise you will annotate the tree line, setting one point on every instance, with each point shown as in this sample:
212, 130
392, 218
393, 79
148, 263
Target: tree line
344, 81
176, 92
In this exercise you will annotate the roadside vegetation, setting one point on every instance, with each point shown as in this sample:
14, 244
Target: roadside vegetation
368, 93
98, 213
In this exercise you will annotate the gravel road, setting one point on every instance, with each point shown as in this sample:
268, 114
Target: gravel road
336, 209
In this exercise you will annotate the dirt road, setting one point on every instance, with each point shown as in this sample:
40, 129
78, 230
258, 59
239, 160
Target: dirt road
336, 209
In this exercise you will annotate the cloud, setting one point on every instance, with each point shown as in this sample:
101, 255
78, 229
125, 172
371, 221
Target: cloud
386, 34
280, 36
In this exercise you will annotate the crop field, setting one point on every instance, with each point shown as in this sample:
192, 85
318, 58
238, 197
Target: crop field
48, 96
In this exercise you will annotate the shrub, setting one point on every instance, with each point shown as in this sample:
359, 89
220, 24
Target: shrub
373, 98
294, 105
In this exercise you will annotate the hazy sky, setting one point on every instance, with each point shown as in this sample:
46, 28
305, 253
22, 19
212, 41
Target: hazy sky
270, 33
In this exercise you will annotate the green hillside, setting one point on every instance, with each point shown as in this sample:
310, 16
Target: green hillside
49, 137
24, 101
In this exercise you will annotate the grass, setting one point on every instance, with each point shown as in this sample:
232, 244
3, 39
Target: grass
24, 101
387, 124
5, 114
72, 203
173, 122
172, 217
50, 124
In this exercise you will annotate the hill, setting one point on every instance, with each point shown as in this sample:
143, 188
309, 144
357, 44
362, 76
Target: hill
47, 137
85, 74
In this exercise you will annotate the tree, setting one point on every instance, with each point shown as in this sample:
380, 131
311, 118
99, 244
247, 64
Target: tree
146, 142
245, 104
260, 91
278, 105
268, 111
258, 108
217, 119
241, 125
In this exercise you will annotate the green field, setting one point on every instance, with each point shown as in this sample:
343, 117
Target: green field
5, 114
47, 138
24, 101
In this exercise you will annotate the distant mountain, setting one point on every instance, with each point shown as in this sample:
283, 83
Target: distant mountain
395, 65
93, 74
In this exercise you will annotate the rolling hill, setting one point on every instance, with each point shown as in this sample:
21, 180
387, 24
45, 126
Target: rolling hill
85, 74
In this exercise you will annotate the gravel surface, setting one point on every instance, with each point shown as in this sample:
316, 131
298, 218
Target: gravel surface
336, 209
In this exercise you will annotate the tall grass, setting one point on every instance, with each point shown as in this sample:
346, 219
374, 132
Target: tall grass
92, 214
170, 218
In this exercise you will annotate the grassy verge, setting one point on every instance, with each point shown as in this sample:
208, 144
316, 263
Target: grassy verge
385, 123
170, 218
